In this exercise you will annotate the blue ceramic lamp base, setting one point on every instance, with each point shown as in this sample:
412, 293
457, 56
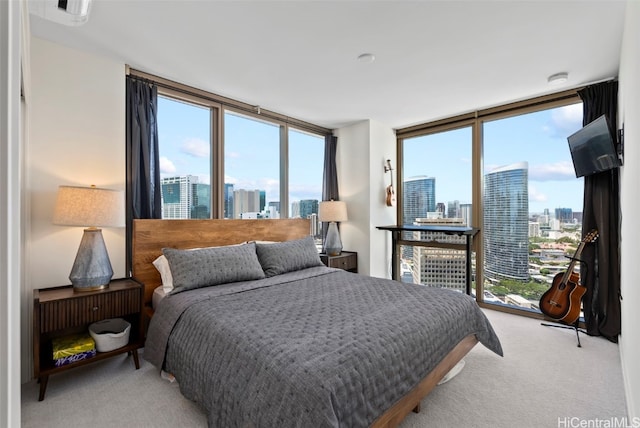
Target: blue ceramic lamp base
333, 243
92, 267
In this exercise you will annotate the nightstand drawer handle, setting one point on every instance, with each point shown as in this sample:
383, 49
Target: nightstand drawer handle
95, 308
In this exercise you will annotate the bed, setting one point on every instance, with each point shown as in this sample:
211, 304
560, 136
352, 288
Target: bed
282, 340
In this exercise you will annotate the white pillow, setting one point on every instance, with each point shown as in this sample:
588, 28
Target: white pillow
162, 265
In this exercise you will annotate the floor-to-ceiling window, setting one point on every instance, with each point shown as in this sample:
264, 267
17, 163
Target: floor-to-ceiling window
436, 190
532, 202
507, 171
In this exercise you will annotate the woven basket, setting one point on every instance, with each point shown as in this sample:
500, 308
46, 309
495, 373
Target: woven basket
110, 334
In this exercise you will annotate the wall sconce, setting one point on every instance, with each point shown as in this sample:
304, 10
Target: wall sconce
90, 207
332, 212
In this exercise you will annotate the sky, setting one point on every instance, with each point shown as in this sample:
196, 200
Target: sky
252, 154
539, 138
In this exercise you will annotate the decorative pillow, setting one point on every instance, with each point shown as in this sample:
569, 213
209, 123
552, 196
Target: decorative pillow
205, 267
283, 257
162, 265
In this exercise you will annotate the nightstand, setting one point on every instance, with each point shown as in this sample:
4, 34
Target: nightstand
347, 260
61, 311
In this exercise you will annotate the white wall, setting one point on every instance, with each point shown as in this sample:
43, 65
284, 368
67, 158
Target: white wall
629, 102
77, 137
363, 149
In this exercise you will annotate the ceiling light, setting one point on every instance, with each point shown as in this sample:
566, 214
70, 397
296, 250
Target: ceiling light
366, 58
556, 79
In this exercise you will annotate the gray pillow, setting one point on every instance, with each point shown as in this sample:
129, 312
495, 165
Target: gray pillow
212, 266
283, 257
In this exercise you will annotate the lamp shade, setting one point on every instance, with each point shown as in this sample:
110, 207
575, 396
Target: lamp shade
332, 211
89, 207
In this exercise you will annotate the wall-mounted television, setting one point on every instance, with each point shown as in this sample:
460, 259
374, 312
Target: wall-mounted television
593, 149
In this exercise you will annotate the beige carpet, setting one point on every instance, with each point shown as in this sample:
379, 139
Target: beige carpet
544, 380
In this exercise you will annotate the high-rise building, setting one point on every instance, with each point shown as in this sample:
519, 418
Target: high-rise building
453, 209
418, 201
315, 226
201, 201
295, 209
228, 200
263, 200
506, 222
564, 215
184, 197
534, 229
418, 198
466, 214
308, 207
245, 201
440, 267
275, 205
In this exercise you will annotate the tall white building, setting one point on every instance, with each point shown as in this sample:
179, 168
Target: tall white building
440, 267
178, 196
534, 229
245, 201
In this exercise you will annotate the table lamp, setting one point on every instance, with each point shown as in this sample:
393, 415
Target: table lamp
332, 212
90, 207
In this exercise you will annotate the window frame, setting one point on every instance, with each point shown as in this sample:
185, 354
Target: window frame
476, 121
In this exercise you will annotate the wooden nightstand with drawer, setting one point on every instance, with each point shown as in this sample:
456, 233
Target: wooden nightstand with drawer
61, 311
347, 260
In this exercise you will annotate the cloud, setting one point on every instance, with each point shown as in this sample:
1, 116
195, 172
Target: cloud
204, 179
305, 191
535, 195
566, 120
552, 171
166, 166
195, 147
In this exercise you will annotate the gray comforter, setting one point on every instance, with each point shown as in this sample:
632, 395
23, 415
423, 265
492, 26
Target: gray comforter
314, 348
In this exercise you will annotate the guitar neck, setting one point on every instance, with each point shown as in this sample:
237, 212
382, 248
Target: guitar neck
574, 260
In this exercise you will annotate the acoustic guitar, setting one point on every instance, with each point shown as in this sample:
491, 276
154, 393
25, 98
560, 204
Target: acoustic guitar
391, 195
561, 302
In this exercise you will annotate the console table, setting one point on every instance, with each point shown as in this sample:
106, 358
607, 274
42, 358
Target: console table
397, 240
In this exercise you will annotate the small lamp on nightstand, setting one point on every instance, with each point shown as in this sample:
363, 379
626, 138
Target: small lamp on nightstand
332, 212
92, 207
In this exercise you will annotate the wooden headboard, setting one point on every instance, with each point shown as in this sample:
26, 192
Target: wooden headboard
151, 236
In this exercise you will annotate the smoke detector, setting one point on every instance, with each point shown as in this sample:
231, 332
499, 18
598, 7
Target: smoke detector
66, 12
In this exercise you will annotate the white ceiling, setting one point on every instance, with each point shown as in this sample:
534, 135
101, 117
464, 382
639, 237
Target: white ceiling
434, 59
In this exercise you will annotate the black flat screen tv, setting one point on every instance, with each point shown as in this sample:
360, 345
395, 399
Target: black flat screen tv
593, 149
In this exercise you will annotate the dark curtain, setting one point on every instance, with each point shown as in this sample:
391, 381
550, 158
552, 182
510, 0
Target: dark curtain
143, 163
600, 267
330, 175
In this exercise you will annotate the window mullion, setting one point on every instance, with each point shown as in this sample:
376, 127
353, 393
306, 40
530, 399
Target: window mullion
284, 171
